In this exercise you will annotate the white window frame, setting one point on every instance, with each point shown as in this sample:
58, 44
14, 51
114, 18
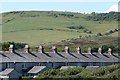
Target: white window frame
8, 65
23, 66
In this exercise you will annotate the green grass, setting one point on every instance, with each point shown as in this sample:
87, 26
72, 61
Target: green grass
25, 27
39, 36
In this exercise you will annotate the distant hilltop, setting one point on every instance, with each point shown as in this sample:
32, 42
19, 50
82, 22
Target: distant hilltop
52, 27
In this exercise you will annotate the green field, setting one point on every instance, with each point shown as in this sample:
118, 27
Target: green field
46, 27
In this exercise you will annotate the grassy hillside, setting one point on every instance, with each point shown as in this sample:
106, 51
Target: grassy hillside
46, 27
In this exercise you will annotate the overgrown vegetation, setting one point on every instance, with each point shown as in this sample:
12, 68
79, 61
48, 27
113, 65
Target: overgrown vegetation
72, 45
104, 16
77, 73
5, 45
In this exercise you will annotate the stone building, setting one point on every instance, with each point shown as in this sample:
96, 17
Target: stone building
14, 64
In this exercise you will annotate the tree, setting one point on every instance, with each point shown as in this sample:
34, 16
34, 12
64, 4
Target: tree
93, 13
99, 34
5, 45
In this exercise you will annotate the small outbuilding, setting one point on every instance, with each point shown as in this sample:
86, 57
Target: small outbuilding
9, 74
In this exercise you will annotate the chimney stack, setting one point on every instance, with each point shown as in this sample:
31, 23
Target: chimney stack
100, 51
109, 50
78, 49
11, 49
67, 50
41, 49
54, 49
27, 49
89, 50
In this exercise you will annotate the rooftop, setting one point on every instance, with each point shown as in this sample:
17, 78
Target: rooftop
6, 71
55, 56
36, 69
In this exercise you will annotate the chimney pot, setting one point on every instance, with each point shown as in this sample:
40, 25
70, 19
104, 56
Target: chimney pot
54, 49
100, 51
89, 50
11, 49
78, 50
27, 49
67, 50
41, 49
109, 50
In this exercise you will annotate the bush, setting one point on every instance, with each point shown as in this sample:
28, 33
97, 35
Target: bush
51, 72
99, 34
76, 27
5, 45
26, 78
103, 16
100, 72
80, 73
70, 71
105, 48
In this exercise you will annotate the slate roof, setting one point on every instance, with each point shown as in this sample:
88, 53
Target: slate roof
66, 67
6, 71
36, 69
57, 57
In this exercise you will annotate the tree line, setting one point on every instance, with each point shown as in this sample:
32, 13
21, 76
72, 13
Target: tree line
104, 16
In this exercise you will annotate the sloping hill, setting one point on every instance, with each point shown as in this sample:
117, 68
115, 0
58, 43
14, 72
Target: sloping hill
46, 27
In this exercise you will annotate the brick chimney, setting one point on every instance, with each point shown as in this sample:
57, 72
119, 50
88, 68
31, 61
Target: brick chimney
109, 50
78, 49
27, 49
54, 49
11, 49
100, 51
67, 50
89, 50
41, 49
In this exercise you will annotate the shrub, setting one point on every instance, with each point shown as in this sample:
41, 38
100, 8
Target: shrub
51, 72
5, 45
76, 27
70, 71
100, 72
99, 34
26, 78
80, 73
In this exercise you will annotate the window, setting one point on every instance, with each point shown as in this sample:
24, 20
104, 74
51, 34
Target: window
23, 66
90, 64
39, 64
79, 64
8, 65
52, 65
102, 64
